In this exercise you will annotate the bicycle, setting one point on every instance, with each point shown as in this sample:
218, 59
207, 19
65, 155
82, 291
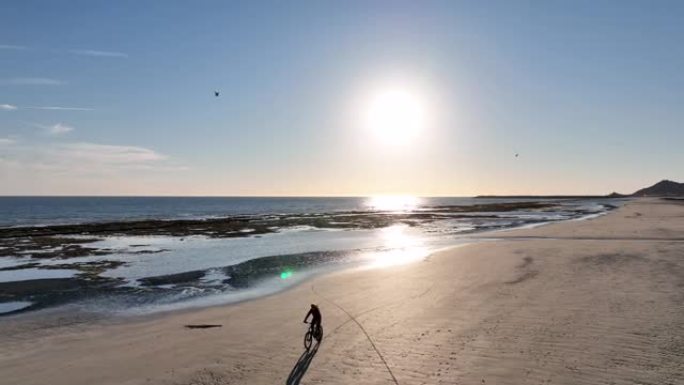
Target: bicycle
309, 336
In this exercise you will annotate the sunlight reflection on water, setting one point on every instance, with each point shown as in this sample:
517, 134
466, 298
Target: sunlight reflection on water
400, 246
393, 203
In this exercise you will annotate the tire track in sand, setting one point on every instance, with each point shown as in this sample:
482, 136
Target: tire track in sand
368, 337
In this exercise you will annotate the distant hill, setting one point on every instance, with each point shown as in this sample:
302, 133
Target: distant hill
664, 188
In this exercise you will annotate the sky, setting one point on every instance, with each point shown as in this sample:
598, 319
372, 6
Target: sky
117, 97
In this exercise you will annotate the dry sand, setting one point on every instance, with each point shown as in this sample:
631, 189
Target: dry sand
583, 302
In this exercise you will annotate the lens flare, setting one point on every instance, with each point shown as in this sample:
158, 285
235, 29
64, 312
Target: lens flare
286, 274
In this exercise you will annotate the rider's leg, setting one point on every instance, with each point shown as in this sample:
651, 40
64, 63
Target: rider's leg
317, 332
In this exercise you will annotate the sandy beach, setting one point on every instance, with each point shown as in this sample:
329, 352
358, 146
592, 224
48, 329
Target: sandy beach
599, 301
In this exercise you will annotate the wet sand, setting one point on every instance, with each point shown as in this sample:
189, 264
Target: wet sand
579, 302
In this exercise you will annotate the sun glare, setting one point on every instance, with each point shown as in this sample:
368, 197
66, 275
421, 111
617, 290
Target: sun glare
400, 247
395, 116
393, 203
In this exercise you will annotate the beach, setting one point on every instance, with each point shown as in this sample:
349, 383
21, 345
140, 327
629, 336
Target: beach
179, 256
597, 301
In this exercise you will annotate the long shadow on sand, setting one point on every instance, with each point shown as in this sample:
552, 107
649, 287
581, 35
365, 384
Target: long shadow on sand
301, 366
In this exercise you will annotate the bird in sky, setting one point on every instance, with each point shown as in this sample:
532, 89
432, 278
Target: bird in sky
216, 93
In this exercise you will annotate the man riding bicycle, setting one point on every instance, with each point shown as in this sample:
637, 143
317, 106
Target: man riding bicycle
316, 319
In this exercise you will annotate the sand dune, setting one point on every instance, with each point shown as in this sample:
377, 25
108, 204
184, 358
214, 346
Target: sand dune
583, 302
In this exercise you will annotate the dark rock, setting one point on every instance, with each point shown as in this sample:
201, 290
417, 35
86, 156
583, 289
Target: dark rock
664, 188
172, 279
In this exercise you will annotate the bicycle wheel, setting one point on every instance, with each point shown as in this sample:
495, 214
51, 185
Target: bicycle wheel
307, 340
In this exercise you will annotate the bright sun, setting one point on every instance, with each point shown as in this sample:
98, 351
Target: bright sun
395, 116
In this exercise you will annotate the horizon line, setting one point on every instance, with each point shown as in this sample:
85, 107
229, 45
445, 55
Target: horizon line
302, 196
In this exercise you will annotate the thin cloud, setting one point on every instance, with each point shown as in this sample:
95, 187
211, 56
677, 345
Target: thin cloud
11, 107
57, 108
83, 158
6, 141
96, 53
110, 154
14, 47
31, 82
59, 129
54, 129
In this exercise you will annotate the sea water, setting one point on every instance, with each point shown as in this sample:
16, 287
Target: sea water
225, 270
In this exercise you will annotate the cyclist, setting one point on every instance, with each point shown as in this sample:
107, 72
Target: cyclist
316, 319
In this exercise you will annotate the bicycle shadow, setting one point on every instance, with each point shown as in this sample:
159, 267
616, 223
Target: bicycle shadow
302, 365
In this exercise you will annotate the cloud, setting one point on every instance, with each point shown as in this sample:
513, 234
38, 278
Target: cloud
90, 52
14, 47
55, 129
6, 141
11, 107
90, 160
110, 154
31, 82
59, 129
82, 168
56, 108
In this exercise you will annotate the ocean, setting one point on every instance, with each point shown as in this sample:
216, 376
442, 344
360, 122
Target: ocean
38, 211
271, 244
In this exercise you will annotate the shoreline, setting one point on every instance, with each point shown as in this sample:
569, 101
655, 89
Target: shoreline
230, 225
57, 265
124, 316
508, 311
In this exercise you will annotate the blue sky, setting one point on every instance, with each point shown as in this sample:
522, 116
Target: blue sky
117, 97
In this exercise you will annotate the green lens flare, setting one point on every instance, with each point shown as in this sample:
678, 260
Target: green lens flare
286, 274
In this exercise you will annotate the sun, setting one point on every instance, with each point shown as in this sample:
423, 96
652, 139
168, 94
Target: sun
395, 116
